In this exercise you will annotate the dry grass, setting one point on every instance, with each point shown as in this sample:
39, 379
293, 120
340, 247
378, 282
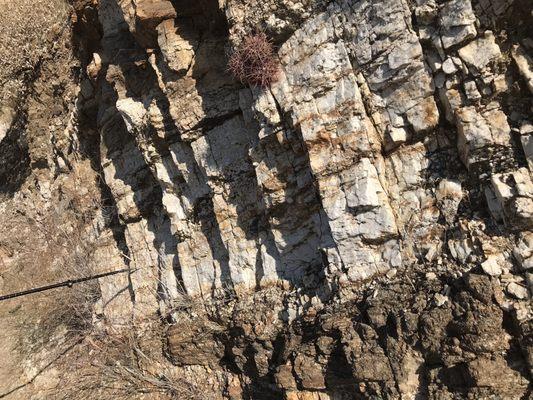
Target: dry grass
43, 246
25, 26
114, 366
27, 29
254, 61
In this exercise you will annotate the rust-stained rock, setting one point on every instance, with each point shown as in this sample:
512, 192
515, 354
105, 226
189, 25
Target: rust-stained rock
194, 343
152, 12
308, 373
149, 14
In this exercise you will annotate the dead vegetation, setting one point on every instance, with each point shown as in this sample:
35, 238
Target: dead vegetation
27, 29
24, 26
43, 246
118, 365
58, 330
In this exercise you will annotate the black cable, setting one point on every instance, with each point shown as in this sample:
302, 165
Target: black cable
68, 283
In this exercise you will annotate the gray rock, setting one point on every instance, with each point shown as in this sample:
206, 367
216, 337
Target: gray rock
514, 192
471, 91
457, 21
481, 51
524, 64
448, 66
477, 131
523, 251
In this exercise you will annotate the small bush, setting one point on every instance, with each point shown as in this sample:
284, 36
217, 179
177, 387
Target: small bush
254, 61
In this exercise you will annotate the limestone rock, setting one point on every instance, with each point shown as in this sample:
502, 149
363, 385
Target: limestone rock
448, 67
95, 66
133, 113
516, 290
524, 64
514, 193
457, 20
481, 51
449, 194
491, 267
177, 49
523, 252
527, 145
7, 115
479, 131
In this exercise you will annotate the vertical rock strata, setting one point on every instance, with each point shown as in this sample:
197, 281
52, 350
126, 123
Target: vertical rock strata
287, 184
360, 229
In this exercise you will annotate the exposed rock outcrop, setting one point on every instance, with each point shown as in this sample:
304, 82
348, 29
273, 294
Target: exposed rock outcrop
362, 228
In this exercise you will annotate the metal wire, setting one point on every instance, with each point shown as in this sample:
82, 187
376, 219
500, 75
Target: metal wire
68, 283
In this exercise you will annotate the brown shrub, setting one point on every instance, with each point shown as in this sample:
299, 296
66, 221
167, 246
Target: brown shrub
254, 61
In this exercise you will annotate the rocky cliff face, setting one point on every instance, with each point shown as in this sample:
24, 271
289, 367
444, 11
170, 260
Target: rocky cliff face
360, 229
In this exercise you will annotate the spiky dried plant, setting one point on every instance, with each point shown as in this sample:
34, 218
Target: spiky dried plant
254, 61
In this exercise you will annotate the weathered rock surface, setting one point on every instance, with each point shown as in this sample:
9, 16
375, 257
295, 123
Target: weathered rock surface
360, 229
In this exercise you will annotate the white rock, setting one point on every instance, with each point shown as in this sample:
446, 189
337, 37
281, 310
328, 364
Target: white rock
460, 249
94, 67
448, 67
457, 22
527, 146
491, 267
432, 252
397, 135
7, 115
471, 91
133, 113
449, 189
424, 116
178, 51
514, 192
526, 128
477, 130
391, 273
494, 205
440, 299
500, 84
523, 251
481, 51
430, 276
516, 290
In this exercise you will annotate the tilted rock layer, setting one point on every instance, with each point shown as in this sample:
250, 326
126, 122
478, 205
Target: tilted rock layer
363, 228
